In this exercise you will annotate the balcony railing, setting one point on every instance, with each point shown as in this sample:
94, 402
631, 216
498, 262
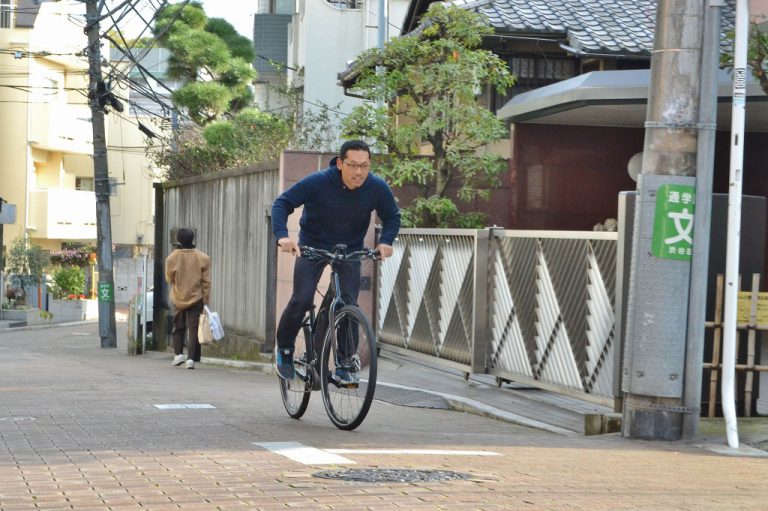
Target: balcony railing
61, 127
60, 213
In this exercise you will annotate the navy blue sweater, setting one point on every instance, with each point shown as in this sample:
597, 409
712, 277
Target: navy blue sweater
334, 214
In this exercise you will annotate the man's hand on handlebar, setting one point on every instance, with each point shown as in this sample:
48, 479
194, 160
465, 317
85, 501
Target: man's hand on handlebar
384, 251
288, 245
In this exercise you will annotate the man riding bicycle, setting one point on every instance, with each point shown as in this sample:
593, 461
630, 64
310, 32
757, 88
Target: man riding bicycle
338, 203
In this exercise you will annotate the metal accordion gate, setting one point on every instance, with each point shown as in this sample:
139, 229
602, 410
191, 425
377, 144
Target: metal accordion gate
535, 307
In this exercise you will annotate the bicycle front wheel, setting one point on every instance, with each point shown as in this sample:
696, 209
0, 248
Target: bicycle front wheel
348, 369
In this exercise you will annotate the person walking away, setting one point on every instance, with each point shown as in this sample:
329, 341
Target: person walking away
338, 203
188, 271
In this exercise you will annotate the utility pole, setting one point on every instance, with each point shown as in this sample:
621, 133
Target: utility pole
96, 90
662, 242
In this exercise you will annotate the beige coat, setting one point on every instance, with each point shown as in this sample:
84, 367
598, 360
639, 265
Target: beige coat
188, 271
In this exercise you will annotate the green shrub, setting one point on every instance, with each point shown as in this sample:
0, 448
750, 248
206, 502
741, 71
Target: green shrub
68, 280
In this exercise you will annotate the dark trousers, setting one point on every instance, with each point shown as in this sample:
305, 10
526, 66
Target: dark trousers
186, 321
306, 275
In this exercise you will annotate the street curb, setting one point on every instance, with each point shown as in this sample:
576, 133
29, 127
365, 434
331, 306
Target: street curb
47, 326
262, 367
742, 451
463, 404
456, 403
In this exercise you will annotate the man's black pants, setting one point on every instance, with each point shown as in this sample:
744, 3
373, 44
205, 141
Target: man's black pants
306, 275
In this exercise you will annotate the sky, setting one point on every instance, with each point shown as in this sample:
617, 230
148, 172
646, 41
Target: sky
238, 12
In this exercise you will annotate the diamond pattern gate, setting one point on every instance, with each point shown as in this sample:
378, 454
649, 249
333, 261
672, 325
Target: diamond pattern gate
528, 306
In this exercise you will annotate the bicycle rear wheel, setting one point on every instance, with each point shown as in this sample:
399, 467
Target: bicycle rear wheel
296, 391
348, 369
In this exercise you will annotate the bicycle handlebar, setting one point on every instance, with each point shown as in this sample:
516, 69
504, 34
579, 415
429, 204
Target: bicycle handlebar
338, 254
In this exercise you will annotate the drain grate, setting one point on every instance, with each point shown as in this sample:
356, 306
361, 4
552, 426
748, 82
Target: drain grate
391, 475
412, 398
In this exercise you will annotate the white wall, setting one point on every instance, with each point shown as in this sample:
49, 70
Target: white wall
323, 39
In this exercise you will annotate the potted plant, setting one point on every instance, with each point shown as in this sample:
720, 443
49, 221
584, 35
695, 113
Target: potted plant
25, 265
70, 302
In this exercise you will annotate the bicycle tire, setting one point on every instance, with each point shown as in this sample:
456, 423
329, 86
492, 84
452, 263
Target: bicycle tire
296, 392
348, 404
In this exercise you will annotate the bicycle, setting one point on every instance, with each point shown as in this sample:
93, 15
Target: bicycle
345, 370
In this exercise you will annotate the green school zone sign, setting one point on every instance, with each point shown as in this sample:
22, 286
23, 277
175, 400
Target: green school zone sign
106, 292
673, 222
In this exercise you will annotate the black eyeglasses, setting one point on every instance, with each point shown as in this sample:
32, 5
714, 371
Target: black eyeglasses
355, 166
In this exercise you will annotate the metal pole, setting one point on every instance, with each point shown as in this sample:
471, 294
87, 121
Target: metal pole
705, 157
381, 39
727, 390
159, 307
381, 35
107, 327
270, 301
145, 294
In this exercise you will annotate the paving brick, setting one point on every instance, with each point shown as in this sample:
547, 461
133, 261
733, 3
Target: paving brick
100, 444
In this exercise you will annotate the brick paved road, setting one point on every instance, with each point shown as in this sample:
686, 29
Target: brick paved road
79, 430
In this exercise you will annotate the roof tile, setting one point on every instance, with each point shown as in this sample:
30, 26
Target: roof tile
603, 26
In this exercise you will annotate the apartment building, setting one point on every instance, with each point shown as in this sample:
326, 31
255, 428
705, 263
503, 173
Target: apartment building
46, 134
46, 140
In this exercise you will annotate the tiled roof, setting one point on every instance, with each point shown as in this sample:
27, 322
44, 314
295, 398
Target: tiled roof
623, 27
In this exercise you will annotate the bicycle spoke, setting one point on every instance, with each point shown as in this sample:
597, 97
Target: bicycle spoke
296, 391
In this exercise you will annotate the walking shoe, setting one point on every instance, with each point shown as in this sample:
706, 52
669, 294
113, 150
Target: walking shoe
284, 362
346, 370
190, 364
178, 360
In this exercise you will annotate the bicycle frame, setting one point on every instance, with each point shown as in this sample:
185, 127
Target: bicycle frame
310, 324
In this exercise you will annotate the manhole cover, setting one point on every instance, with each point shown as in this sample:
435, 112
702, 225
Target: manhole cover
391, 475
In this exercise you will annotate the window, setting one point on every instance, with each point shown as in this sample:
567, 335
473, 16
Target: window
533, 72
6, 14
346, 4
84, 184
275, 7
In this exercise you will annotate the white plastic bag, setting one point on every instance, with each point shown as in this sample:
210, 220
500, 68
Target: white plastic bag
213, 319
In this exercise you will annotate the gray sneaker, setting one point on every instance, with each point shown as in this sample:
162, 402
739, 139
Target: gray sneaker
178, 360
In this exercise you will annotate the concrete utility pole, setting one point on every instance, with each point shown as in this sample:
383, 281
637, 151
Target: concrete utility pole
662, 243
96, 94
